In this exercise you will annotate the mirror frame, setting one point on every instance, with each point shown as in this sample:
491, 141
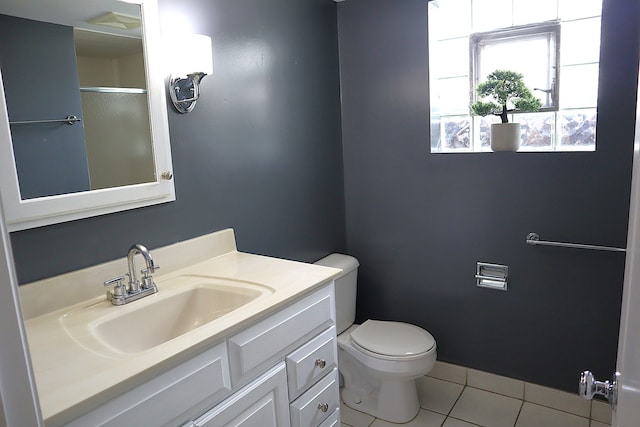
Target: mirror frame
23, 214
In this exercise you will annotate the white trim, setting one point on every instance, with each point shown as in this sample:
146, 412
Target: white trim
18, 395
628, 408
22, 214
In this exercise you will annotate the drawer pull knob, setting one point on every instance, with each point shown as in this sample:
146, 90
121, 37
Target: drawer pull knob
321, 363
324, 407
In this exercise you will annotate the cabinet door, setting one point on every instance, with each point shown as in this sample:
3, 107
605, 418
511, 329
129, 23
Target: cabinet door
333, 420
312, 361
260, 346
314, 406
262, 403
204, 379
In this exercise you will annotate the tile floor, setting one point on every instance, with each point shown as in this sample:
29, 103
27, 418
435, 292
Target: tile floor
469, 398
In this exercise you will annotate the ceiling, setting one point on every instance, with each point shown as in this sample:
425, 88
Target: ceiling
98, 40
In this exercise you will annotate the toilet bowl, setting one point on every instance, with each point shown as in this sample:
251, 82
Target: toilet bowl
379, 376
379, 361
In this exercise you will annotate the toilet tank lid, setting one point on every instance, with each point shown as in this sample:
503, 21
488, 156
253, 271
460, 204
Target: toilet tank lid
345, 262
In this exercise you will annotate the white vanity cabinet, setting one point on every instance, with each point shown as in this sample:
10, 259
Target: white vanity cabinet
280, 371
302, 389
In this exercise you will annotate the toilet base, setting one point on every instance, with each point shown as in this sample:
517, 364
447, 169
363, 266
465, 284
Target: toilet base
393, 401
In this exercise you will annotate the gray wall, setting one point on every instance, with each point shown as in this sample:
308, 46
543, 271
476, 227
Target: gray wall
418, 222
260, 153
38, 63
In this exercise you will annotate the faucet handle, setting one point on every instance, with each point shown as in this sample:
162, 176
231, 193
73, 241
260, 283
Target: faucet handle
146, 272
147, 280
119, 288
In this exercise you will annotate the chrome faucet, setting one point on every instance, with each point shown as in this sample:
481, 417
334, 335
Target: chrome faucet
134, 289
134, 283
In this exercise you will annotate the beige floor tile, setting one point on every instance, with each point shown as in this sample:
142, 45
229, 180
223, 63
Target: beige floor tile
536, 416
556, 399
598, 424
486, 409
495, 383
601, 411
354, 418
449, 372
437, 395
423, 419
452, 422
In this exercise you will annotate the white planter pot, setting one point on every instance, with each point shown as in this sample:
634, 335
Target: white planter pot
505, 136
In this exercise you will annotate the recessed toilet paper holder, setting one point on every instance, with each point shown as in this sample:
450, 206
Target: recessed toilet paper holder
492, 276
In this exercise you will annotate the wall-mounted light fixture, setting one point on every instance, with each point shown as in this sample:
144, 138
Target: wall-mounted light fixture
192, 60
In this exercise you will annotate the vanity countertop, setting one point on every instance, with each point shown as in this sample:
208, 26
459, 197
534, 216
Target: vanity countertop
72, 379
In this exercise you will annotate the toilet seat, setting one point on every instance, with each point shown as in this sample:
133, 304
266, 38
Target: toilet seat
392, 340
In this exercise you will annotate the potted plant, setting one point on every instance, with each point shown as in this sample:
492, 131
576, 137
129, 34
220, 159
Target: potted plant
508, 90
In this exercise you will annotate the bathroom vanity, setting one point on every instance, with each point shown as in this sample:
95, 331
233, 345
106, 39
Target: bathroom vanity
229, 339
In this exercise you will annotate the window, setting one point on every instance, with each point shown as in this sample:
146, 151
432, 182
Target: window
555, 44
530, 50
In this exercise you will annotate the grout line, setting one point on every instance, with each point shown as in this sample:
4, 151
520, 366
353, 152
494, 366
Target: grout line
524, 393
522, 402
456, 402
499, 394
519, 412
458, 419
560, 410
528, 401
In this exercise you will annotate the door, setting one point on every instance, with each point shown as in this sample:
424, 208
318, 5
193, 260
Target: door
627, 412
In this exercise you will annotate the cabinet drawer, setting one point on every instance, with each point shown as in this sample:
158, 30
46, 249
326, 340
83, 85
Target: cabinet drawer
314, 406
267, 342
204, 378
333, 420
263, 403
310, 362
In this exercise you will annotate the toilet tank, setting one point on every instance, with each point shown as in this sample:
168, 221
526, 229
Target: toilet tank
345, 288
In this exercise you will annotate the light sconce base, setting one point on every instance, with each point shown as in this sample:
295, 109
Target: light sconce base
185, 91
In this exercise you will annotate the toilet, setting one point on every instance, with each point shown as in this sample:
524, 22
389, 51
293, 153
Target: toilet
379, 361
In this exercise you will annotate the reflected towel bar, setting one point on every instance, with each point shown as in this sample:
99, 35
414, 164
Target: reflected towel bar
68, 120
534, 239
102, 89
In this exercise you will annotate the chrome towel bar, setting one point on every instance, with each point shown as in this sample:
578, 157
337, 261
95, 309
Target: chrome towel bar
534, 239
68, 120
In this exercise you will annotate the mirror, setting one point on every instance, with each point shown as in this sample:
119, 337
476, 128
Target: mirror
83, 130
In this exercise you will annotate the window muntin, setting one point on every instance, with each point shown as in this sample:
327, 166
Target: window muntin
570, 128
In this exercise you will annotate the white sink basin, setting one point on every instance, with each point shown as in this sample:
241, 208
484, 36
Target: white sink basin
181, 305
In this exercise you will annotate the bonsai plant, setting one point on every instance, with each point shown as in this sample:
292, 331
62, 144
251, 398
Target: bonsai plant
507, 89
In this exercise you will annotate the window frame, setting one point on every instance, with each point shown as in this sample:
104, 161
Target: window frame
480, 39
571, 125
